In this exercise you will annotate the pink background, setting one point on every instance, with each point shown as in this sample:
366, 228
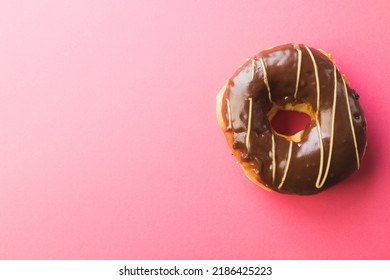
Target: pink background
110, 147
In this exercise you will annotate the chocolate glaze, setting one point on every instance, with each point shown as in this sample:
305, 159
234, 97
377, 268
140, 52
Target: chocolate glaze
269, 79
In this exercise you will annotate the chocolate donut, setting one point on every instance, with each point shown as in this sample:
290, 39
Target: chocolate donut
293, 77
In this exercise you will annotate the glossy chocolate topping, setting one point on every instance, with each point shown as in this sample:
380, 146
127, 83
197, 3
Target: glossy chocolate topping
293, 77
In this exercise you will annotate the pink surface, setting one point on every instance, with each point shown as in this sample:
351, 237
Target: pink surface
110, 148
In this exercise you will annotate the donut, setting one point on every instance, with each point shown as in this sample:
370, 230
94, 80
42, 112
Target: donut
293, 77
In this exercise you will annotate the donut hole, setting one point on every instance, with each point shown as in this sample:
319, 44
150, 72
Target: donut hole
289, 123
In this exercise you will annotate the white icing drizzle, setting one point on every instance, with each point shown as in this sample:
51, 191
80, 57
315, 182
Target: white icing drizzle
253, 69
266, 79
321, 154
296, 46
287, 165
317, 78
229, 113
332, 131
248, 133
273, 158
317, 117
352, 127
